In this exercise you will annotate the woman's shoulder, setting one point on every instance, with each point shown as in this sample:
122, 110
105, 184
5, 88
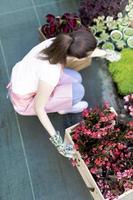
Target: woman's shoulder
38, 48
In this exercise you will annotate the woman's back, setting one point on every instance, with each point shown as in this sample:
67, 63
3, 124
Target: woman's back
27, 72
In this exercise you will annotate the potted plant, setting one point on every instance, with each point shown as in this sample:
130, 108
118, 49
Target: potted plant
103, 153
128, 32
116, 35
120, 44
108, 45
66, 23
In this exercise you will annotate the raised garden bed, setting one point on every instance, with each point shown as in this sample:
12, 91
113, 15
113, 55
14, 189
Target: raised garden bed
79, 134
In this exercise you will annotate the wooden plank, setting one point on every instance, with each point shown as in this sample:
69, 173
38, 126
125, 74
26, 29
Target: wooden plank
127, 195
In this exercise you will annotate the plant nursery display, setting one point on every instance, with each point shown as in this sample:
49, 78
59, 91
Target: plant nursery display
114, 29
105, 144
122, 72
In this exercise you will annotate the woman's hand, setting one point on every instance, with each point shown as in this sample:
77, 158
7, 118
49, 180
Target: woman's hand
65, 149
98, 53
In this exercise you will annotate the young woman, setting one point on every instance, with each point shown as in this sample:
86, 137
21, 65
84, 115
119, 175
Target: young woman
41, 83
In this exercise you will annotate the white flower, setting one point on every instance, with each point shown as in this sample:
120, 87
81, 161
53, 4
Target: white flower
120, 15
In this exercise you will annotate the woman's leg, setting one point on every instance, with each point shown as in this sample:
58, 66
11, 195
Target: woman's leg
74, 74
78, 92
78, 105
70, 76
67, 94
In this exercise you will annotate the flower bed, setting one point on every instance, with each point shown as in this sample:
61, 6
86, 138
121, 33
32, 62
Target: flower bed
104, 153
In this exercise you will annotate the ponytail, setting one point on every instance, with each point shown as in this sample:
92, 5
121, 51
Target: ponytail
57, 51
76, 44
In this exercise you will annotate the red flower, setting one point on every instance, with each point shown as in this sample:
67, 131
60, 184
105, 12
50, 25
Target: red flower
52, 30
93, 170
121, 146
99, 161
76, 146
85, 113
130, 124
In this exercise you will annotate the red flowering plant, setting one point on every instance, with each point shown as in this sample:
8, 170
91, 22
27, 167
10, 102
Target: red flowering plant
66, 23
106, 146
128, 104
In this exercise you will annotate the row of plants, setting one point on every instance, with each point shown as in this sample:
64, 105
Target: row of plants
114, 33
105, 144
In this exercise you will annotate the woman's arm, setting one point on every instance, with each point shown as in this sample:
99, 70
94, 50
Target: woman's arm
43, 93
98, 53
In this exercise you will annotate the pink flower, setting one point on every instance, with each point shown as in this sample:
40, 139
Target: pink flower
93, 170
131, 113
126, 98
76, 146
121, 146
99, 161
87, 161
130, 124
85, 113
74, 162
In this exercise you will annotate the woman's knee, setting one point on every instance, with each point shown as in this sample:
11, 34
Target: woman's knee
78, 92
76, 75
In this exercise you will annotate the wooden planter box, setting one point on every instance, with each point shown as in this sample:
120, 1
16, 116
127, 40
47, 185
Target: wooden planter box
73, 63
86, 175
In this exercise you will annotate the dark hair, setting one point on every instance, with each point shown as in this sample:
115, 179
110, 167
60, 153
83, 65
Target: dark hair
76, 44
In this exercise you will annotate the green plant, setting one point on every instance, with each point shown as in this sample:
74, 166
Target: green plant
122, 72
120, 44
100, 24
104, 36
111, 23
